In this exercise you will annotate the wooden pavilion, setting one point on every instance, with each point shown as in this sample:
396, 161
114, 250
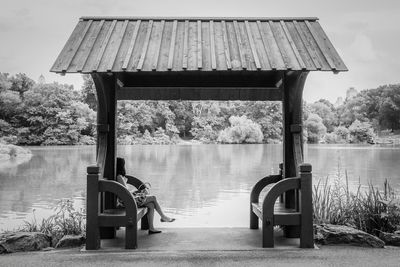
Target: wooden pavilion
152, 58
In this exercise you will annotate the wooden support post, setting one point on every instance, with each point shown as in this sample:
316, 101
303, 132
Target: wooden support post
306, 232
92, 208
293, 84
106, 119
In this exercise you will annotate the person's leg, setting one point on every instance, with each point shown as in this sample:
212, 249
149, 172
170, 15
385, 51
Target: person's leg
153, 199
150, 218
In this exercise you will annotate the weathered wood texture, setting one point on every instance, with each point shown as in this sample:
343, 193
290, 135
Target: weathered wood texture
273, 212
123, 44
109, 218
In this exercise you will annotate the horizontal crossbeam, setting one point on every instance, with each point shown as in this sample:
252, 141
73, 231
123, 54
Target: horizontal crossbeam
200, 93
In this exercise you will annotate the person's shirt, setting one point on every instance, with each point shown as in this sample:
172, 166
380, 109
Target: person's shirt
124, 181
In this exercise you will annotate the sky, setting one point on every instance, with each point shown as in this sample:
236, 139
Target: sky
366, 34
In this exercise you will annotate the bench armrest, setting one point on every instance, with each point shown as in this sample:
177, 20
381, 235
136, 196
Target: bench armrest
122, 192
134, 181
261, 184
278, 189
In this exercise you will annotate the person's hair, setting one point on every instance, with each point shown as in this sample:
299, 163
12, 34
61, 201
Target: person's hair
121, 167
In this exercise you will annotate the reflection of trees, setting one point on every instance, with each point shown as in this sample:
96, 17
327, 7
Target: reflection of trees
186, 177
52, 173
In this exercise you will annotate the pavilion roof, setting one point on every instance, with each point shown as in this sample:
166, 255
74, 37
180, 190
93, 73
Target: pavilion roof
133, 44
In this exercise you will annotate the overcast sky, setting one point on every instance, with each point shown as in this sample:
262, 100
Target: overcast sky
366, 34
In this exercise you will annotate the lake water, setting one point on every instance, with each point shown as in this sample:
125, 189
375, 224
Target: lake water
199, 185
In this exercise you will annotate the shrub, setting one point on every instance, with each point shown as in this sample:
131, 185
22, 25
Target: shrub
361, 132
242, 130
315, 128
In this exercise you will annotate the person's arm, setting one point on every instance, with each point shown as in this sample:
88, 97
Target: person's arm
121, 180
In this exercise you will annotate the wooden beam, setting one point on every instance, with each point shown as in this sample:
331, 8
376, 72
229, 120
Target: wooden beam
226, 46
312, 53
199, 46
156, 56
252, 45
212, 47
185, 46
200, 93
145, 46
293, 46
120, 37
76, 46
240, 45
80, 66
104, 46
172, 45
131, 45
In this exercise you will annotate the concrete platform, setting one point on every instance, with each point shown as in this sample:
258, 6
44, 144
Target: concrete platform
199, 239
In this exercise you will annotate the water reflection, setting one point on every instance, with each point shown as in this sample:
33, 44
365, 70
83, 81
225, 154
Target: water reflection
201, 185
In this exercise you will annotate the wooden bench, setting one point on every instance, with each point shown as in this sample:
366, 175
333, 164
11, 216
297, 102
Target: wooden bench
127, 217
273, 211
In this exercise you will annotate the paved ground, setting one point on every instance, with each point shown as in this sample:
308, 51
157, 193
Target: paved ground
207, 247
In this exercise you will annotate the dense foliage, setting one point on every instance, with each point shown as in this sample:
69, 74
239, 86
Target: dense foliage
54, 114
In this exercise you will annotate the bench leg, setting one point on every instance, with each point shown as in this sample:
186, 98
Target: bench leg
267, 233
131, 237
144, 223
253, 219
92, 238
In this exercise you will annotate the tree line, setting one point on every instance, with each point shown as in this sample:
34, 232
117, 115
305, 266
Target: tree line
39, 113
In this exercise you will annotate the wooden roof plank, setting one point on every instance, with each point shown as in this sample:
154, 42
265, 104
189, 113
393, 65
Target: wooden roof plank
293, 45
197, 18
145, 46
212, 47
104, 46
131, 45
240, 45
172, 46
75, 47
266, 47
252, 45
321, 46
301, 49
310, 51
119, 42
158, 47
277, 62
89, 47
259, 46
330, 48
185, 46
291, 62
199, 46
226, 46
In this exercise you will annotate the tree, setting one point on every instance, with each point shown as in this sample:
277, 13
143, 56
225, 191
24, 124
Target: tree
326, 111
89, 92
315, 128
361, 132
5, 83
21, 83
242, 130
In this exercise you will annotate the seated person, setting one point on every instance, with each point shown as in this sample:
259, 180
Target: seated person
149, 201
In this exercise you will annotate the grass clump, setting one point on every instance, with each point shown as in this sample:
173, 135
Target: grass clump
65, 221
371, 210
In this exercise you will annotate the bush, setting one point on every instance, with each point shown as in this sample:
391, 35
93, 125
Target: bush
342, 134
361, 132
242, 130
315, 128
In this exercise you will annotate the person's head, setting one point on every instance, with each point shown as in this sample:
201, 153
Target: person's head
121, 167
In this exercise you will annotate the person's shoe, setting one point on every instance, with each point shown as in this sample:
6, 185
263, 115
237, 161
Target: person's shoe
154, 232
169, 220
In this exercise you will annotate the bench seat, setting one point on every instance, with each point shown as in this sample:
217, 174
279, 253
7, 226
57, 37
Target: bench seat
282, 215
115, 217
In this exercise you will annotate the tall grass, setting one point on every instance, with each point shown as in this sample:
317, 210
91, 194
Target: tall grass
65, 221
371, 210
